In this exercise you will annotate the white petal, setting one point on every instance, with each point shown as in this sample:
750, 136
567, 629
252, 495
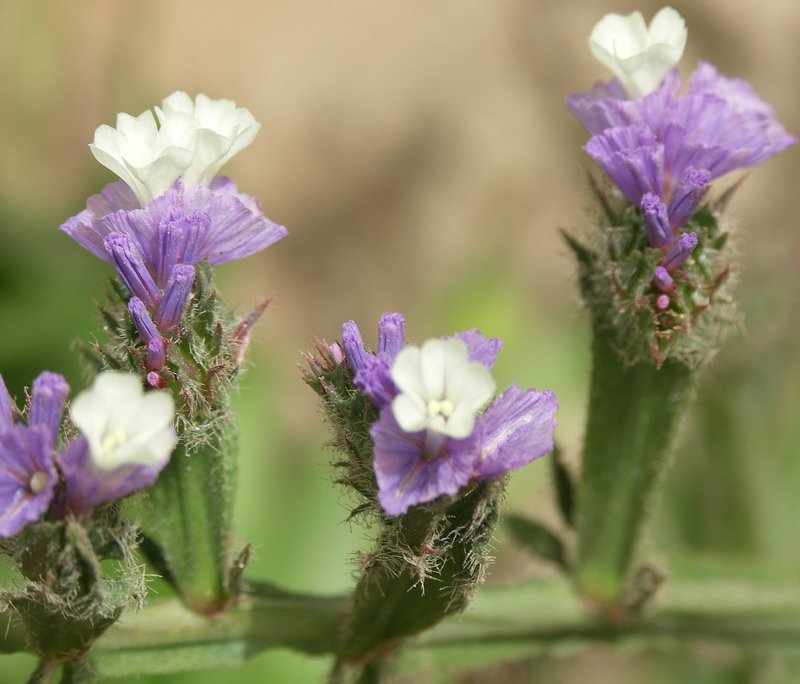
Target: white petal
668, 28
406, 372
410, 412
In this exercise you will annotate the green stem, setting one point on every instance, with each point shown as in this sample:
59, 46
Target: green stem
750, 610
634, 412
187, 515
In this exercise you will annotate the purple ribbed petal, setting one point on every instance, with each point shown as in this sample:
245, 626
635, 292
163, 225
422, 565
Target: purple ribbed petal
604, 106
516, 429
391, 334
337, 353
678, 255
84, 228
353, 345
27, 476
6, 406
656, 221
632, 158
718, 125
404, 477
180, 240
238, 227
155, 358
688, 195
132, 269
374, 379
88, 486
481, 349
662, 279
141, 319
48, 397
179, 286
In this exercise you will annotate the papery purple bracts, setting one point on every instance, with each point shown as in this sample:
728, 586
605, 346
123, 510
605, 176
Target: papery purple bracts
27, 476
678, 255
662, 279
176, 294
48, 397
144, 323
131, 268
180, 237
391, 334
656, 221
155, 356
688, 195
353, 344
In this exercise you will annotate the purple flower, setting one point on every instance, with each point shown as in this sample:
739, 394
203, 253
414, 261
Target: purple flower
430, 439
27, 474
674, 143
154, 248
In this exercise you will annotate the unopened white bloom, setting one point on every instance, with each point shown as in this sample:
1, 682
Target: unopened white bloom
637, 55
440, 388
123, 424
223, 130
149, 159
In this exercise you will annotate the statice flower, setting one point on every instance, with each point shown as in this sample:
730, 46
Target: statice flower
127, 440
169, 211
638, 55
432, 437
28, 476
663, 146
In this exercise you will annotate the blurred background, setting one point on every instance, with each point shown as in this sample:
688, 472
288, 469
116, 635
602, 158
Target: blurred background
423, 159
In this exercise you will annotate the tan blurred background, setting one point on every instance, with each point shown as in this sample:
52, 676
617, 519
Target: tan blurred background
422, 157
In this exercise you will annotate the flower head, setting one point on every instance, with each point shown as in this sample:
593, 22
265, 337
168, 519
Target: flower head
441, 390
431, 439
123, 424
221, 128
638, 55
127, 440
27, 473
192, 140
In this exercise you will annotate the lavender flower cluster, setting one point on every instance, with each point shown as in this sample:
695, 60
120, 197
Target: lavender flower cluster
125, 440
432, 437
663, 142
154, 240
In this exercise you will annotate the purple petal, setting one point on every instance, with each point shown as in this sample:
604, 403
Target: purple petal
404, 477
688, 195
84, 228
155, 357
7, 409
180, 240
516, 429
391, 334
353, 344
678, 255
27, 476
374, 379
176, 294
481, 349
632, 158
88, 486
238, 227
656, 221
48, 397
132, 269
141, 319
604, 106
662, 279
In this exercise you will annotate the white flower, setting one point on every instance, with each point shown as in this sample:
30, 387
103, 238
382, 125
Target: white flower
223, 130
637, 55
147, 158
123, 424
440, 388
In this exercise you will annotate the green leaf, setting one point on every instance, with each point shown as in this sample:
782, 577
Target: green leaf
537, 539
564, 487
